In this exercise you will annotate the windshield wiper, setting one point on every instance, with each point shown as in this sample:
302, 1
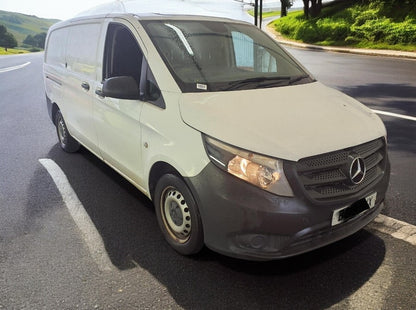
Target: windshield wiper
259, 82
297, 79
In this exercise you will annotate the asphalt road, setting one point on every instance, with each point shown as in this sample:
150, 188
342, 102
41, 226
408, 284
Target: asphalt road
46, 264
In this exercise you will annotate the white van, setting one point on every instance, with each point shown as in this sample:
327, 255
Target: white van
237, 145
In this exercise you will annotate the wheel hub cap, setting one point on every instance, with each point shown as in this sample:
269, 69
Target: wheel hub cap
176, 214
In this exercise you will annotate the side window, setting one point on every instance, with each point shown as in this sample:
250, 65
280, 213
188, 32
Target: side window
252, 57
122, 56
243, 51
55, 52
82, 49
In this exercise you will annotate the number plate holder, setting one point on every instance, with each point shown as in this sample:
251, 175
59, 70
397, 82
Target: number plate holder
344, 214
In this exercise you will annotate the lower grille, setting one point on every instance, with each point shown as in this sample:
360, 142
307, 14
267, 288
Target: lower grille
328, 176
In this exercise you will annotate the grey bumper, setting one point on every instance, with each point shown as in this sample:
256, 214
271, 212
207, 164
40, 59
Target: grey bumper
243, 221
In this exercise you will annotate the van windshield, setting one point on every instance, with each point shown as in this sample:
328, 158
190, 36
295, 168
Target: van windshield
218, 56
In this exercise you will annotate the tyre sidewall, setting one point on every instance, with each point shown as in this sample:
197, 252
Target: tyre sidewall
196, 239
70, 145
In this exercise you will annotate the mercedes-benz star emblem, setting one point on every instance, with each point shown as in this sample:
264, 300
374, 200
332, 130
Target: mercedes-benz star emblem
357, 170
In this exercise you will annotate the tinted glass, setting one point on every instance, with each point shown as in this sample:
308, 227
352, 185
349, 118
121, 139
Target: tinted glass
218, 56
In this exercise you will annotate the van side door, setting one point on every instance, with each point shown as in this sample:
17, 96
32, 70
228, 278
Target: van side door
117, 121
81, 65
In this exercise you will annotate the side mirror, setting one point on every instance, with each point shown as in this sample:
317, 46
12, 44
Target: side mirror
121, 87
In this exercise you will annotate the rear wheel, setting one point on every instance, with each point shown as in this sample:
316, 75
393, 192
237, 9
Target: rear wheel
67, 142
178, 215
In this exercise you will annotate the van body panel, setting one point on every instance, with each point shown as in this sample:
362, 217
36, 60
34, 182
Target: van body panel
171, 146
79, 77
117, 121
285, 122
118, 128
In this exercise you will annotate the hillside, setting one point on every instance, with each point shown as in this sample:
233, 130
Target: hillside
20, 25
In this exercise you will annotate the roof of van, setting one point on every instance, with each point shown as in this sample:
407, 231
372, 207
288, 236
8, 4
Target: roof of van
146, 8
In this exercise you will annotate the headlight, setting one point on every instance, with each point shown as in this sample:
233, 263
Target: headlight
261, 171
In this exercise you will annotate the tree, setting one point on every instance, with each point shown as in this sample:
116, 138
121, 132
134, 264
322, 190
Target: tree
7, 40
29, 40
285, 5
312, 8
40, 39
37, 40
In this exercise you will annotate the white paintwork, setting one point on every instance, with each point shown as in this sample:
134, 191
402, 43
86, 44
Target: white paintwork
286, 122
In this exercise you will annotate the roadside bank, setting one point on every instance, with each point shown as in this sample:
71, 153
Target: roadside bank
369, 52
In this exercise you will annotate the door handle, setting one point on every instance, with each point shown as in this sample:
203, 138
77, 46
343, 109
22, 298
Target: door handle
85, 86
100, 93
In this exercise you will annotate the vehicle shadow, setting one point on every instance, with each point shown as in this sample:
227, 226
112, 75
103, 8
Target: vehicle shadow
126, 220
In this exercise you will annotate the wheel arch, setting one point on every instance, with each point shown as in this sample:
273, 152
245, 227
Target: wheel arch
54, 110
158, 170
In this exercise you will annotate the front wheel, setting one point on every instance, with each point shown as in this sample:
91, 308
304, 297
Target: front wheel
178, 215
67, 142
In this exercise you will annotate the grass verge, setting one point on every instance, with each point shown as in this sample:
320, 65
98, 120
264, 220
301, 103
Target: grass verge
378, 24
12, 51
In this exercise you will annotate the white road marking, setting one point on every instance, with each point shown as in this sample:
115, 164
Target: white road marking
14, 67
411, 118
90, 234
395, 228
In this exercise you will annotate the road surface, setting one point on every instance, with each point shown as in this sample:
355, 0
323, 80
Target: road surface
46, 260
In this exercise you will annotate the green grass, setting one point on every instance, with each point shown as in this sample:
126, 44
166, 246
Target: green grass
12, 51
378, 24
266, 14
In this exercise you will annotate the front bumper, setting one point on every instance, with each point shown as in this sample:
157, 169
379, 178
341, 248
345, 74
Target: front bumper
243, 221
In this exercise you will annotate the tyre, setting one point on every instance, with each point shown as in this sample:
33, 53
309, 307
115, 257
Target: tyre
67, 142
178, 215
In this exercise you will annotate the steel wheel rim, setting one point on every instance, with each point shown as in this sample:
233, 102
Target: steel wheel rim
61, 131
176, 215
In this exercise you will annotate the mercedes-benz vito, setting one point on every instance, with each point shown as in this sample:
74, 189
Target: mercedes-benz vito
237, 145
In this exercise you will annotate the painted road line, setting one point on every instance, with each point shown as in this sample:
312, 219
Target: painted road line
90, 234
397, 229
14, 67
411, 118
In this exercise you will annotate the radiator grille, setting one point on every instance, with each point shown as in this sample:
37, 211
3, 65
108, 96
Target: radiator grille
327, 176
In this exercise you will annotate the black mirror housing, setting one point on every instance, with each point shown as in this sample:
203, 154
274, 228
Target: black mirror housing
121, 87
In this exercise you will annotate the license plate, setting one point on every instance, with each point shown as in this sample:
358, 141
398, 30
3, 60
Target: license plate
346, 213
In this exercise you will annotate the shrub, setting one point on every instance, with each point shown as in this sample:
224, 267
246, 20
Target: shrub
332, 30
308, 32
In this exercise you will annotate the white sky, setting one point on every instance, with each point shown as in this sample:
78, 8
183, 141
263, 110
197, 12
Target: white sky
49, 8
64, 9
